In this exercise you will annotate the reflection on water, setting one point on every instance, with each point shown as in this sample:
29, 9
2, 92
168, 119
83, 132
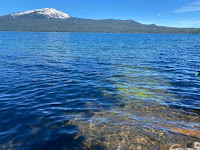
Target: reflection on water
98, 91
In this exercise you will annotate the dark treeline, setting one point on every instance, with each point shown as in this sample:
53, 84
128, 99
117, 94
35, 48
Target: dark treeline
42, 24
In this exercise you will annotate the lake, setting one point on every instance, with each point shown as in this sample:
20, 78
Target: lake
98, 91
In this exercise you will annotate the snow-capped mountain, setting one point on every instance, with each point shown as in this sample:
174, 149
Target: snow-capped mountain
52, 20
47, 12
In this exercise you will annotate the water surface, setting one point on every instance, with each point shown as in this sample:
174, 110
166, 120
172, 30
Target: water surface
98, 91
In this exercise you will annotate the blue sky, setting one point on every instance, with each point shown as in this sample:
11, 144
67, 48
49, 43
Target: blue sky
177, 13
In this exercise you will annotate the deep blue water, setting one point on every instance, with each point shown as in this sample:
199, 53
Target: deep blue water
86, 91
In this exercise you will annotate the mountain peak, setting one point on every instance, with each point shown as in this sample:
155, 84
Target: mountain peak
47, 12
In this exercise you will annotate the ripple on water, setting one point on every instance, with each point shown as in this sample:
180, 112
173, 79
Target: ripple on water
98, 91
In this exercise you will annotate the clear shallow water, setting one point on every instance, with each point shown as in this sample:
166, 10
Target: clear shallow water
98, 91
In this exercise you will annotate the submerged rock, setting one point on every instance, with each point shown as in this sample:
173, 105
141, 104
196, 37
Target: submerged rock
194, 133
196, 146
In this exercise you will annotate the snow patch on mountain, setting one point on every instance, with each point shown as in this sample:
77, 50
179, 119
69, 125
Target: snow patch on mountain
47, 12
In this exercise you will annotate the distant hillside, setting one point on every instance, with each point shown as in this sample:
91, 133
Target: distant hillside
51, 20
